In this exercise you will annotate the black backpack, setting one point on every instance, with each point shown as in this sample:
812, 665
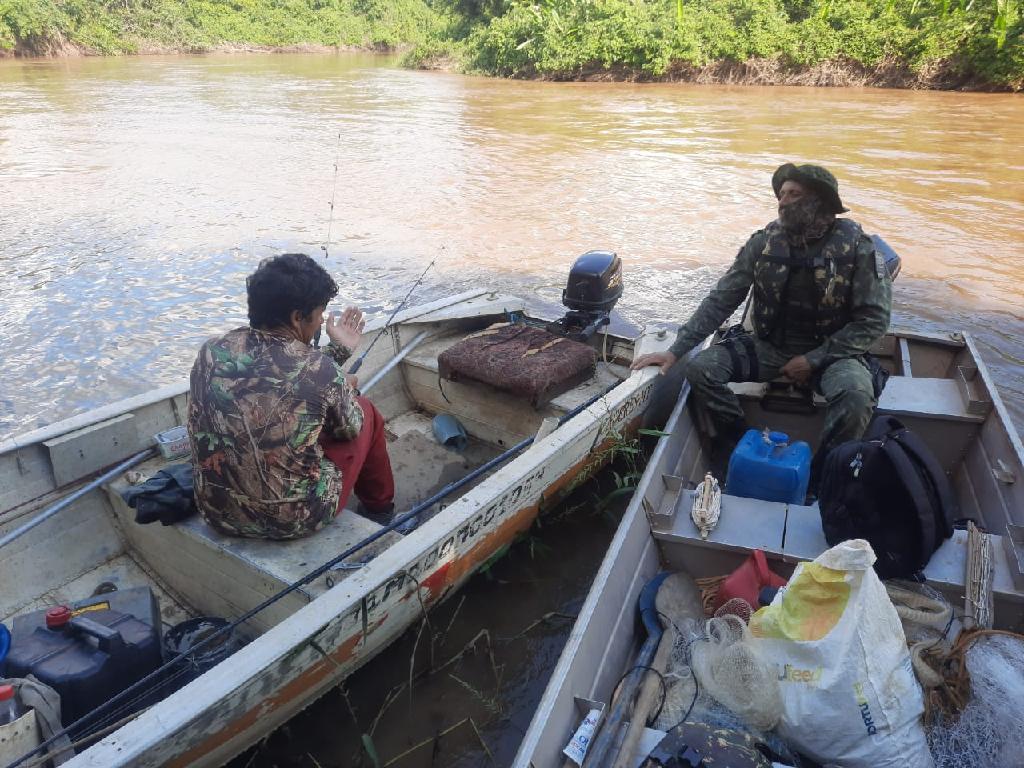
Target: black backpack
889, 489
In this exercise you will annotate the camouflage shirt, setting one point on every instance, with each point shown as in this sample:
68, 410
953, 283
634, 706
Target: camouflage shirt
852, 310
259, 404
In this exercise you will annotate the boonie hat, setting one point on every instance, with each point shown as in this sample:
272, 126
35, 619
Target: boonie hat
814, 177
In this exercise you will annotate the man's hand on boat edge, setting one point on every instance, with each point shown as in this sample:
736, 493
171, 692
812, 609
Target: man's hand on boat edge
663, 360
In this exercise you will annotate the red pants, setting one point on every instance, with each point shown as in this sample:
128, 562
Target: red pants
364, 463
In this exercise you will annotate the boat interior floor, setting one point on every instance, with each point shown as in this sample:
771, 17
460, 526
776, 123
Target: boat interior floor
198, 570
122, 572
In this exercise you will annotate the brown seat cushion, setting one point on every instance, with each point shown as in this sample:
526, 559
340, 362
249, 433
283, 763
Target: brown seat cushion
519, 359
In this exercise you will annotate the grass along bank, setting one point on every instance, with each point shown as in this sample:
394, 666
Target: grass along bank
106, 27
970, 44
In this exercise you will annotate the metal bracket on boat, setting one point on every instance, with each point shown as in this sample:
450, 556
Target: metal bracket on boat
1002, 472
354, 566
549, 425
662, 519
1013, 544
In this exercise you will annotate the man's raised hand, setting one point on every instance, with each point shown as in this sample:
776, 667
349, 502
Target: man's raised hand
346, 328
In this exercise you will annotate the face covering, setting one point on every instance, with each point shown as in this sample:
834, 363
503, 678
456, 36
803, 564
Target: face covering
804, 220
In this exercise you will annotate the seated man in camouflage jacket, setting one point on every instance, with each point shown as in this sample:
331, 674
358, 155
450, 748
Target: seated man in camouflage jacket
821, 298
279, 437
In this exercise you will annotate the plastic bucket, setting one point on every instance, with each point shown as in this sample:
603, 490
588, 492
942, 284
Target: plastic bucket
184, 637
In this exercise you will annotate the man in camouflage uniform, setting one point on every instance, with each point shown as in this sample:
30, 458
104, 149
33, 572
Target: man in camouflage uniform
279, 437
821, 298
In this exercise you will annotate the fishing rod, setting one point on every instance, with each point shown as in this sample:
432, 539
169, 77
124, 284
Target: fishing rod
326, 247
330, 220
359, 360
334, 192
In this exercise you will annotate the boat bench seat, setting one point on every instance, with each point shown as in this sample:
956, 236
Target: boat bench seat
933, 398
524, 361
792, 533
425, 359
226, 575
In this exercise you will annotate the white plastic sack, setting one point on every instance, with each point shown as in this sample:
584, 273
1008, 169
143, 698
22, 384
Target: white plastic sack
849, 694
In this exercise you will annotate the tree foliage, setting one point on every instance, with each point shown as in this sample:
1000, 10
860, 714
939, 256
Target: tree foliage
975, 41
126, 26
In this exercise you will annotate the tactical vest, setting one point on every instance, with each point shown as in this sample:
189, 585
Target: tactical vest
832, 268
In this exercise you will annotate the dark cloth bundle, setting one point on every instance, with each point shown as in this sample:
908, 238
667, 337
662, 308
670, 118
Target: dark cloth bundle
526, 361
168, 496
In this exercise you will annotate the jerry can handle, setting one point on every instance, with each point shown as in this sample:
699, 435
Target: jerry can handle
108, 639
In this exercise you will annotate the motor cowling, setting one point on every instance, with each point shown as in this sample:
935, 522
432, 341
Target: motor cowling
890, 258
595, 282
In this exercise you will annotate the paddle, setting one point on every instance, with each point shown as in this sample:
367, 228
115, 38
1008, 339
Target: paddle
678, 599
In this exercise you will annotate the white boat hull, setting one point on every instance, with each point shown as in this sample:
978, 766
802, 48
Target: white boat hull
305, 651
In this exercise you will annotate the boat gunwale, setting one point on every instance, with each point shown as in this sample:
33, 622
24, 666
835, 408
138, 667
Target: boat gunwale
997, 401
612, 559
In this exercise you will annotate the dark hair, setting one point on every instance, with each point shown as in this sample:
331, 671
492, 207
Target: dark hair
282, 284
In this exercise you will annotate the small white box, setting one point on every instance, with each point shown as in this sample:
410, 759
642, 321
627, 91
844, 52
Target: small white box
173, 443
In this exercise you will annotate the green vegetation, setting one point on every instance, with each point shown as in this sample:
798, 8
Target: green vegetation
132, 26
918, 43
930, 43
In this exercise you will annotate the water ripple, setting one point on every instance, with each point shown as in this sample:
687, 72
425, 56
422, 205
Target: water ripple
139, 192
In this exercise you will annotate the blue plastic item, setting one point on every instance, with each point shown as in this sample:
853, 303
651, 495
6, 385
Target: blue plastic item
450, 433
767, 467
5, 646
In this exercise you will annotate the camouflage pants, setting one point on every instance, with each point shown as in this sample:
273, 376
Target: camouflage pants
846, 385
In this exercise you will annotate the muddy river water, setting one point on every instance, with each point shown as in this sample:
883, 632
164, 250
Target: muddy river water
137, 193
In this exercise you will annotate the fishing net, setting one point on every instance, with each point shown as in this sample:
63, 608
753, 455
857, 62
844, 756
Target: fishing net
689, 701
717, 657
989, 730
730, 670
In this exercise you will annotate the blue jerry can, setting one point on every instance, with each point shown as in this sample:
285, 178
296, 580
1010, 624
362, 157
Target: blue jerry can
766, 466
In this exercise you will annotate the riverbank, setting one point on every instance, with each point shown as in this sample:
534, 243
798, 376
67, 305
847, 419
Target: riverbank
64, 49
839, 73
917, 44
945, 45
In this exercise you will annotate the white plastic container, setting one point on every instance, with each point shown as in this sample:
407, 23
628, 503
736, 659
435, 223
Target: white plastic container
173, 443
19, 737
10, 710
19, 732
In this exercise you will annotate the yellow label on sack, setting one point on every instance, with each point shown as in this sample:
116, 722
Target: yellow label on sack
812, 604
93, 607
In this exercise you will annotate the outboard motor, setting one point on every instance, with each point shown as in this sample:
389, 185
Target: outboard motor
593, 289
889, 256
